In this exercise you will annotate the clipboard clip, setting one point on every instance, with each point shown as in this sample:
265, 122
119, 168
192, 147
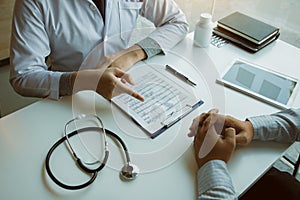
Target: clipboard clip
180, 75
173, 117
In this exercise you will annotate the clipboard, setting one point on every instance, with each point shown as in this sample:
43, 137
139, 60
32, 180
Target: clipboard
167, 101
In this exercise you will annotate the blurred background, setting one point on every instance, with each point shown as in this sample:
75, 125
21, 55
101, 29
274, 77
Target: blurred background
281, 13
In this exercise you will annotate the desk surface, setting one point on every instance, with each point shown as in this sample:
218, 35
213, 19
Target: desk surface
167, 162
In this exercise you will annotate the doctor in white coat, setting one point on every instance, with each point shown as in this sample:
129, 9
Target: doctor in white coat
65, 32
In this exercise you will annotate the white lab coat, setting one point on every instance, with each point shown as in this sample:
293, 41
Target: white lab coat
67, 31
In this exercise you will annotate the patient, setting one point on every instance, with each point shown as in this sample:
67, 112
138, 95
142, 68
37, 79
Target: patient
212, 152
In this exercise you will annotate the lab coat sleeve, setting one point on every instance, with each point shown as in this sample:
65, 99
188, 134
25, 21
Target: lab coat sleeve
29, 74
170, 22
282, 126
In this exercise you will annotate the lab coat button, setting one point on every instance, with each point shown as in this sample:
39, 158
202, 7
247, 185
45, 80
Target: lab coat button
92, 7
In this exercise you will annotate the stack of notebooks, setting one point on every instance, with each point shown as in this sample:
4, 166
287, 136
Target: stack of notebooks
247, 32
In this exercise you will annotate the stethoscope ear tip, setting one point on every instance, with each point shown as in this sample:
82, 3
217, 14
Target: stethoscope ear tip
129, 172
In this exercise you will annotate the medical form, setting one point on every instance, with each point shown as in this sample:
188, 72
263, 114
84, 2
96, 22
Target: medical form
166, 101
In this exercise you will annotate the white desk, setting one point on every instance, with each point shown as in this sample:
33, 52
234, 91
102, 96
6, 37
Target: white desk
27, 135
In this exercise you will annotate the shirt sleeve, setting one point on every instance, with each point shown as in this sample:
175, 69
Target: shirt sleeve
214, 181
283, 126
29, 73
170, 22
150, 46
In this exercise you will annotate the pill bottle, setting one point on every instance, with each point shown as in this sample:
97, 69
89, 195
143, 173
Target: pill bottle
203, 30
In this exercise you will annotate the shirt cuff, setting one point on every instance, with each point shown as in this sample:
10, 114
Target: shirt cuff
150, 46
54, 85
214, 181
65, 86
264, 127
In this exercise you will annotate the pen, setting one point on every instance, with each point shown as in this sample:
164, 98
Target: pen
179, 75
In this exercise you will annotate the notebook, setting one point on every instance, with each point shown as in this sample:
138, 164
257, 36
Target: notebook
166, 100
247, 27
242, 42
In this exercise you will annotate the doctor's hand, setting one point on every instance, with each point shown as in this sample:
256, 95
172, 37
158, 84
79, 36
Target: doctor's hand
109, 82
123, 59
210, 145
114, 82
244, 129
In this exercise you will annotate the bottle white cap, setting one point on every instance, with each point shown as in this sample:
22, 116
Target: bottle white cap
205, 17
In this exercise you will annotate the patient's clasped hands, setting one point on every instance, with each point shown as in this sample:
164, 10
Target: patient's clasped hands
217, 135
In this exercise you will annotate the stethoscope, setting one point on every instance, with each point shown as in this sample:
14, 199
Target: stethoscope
129, 171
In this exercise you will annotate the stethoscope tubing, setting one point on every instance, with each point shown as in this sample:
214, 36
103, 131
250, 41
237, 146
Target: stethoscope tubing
92, 172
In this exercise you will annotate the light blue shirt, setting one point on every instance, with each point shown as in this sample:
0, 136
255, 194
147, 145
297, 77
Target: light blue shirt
214, 181
67, 31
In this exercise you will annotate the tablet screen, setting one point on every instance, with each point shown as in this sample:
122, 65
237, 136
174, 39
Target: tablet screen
266, 83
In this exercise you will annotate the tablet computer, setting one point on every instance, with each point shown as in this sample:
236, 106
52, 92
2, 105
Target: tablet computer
256, 81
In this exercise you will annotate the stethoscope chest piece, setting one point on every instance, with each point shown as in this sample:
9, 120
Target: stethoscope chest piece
129, 172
